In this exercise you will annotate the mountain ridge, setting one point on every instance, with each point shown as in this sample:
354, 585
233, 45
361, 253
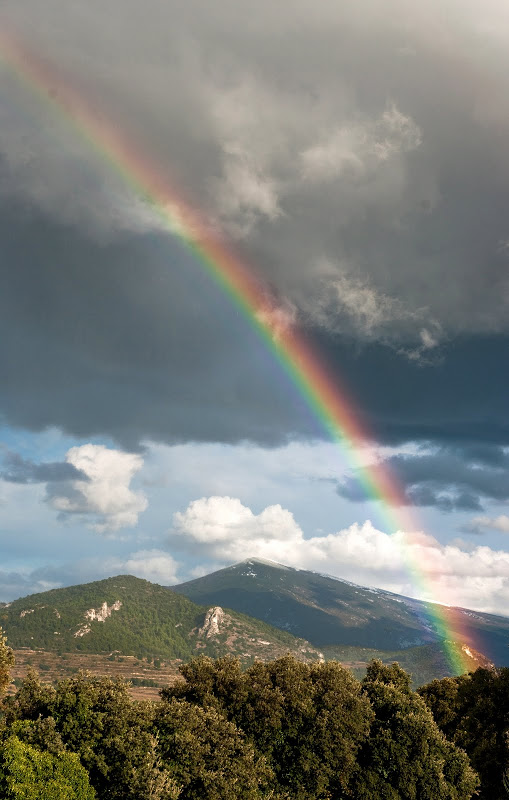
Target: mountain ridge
134, 617
330, 611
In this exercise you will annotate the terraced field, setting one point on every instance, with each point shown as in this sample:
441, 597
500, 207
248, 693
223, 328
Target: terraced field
53, 667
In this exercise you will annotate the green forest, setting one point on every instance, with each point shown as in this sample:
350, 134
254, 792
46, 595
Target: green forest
150, 620
281, 730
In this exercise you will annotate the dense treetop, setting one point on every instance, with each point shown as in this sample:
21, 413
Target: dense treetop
473, 712
281, 730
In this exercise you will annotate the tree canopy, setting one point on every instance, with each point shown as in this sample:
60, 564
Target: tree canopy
473, 712
282, 730
6, 662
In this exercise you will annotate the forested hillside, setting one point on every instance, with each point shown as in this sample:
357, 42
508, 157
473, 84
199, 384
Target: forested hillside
135, 617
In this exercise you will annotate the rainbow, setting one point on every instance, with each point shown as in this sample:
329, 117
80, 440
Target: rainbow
328, 401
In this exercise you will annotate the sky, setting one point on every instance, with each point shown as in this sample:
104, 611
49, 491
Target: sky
356, 157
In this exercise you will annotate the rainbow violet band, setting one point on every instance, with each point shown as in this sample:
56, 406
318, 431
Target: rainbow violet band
328, 401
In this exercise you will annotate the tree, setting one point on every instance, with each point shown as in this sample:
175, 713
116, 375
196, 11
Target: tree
94, 718
473, 711
278, 730
210, 683
27, 773
442, 698
33, 700
207, 755
406, 756
307, 721
112, 736
6, 662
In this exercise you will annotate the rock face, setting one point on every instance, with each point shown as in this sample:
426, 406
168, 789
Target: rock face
104, 612
214, 618
99, 615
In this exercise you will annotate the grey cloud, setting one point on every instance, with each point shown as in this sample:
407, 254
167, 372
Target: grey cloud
143, 563
451, 479
446, 498
357, 162
340, 138
131, 339
15, 583
16, 469
482, 524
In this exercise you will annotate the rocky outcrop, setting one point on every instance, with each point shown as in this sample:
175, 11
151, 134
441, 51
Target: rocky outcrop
214, 619
97, 615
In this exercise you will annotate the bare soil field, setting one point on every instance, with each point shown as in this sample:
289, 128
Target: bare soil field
55, 666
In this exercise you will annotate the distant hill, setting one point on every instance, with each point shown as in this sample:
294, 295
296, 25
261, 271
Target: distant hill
424, 663
253, 610
332, 613
134, 617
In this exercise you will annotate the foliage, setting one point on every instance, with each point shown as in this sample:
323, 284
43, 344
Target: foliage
406, 755
308, 721
282, 730
32, 700
6, 662
95, 718
27, 773
207, 755
473, 711
151, 621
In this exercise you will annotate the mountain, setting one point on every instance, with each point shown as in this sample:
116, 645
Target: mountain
329, 612
135, 617
253, 610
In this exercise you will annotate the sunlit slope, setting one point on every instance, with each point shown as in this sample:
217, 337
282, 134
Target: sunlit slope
329, 612
135, 617
424, 662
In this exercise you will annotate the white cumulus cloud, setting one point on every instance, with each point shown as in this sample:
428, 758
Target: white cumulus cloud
105, 499
152, 565
415, 564
225, 520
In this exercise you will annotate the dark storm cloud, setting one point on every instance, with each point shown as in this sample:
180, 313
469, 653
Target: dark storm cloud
460, 399
129, 339
17, 469
358, 155
452, 479
360, 152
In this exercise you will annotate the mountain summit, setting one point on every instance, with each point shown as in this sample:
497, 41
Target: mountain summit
330, 612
